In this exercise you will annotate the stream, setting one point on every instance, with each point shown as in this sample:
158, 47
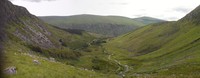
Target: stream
125, 68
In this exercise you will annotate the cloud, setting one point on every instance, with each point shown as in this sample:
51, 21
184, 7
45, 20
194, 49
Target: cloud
173, 18
119, 3
139, 15
180, 9
35, 0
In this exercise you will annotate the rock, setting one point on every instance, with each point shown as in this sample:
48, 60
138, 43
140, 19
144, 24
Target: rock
86, 69
52, 59
72, 66
15, 53
46, 59
36, 62
10, 70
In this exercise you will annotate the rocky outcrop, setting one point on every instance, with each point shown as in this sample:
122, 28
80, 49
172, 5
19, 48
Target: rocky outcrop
27, 27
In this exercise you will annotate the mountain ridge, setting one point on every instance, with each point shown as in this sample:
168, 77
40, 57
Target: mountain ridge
148, 20
106, 25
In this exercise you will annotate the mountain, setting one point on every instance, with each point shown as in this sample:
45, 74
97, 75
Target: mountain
34, 49
105, 25
163, 49
148, 20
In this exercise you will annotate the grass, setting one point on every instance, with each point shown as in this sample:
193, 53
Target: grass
18, 55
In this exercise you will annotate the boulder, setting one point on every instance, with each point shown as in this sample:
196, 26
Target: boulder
10, 70
52, 59
36, 62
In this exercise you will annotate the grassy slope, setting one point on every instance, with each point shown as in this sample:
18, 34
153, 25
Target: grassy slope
164, 49
22, 57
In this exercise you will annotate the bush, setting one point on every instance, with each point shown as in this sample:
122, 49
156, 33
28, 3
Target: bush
35, 48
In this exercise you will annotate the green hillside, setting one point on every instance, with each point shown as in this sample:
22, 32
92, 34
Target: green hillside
168, 49
106, 25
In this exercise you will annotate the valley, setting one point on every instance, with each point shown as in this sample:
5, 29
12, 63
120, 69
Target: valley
98, 46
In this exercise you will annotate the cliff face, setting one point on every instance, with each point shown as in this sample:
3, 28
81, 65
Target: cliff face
27, 27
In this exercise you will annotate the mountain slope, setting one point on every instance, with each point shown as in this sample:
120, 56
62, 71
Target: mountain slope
162, 49
27, 29
148, 20
106, 25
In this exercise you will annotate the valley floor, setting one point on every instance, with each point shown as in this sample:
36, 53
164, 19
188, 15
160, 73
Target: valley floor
109, 62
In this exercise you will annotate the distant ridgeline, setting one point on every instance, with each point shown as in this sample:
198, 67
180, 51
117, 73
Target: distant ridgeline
104, 25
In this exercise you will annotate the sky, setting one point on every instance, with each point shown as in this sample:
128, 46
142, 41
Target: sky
170, 10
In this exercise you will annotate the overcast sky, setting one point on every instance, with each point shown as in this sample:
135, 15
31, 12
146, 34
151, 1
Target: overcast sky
162, 9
